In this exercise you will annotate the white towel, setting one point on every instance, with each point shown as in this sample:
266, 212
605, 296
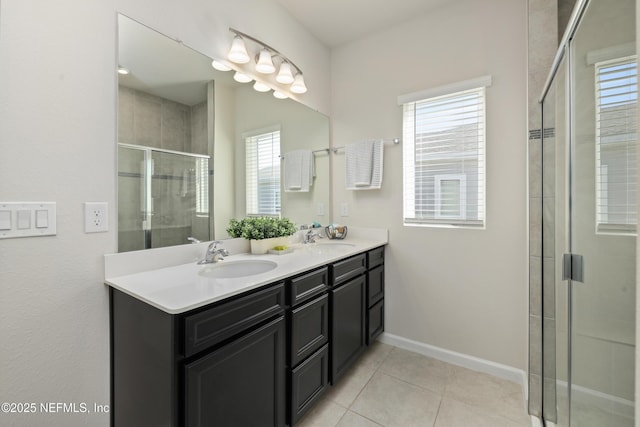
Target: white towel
298, 171
364, 165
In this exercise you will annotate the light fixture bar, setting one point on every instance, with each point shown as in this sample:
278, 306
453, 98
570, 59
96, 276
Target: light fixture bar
263, 44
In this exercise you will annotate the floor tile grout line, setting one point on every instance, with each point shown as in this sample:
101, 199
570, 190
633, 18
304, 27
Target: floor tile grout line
375, 371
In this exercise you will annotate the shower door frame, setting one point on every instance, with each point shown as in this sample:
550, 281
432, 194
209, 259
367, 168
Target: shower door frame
565, 53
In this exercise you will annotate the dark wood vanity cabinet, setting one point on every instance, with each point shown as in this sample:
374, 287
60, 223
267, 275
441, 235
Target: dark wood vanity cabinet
308, 358
348, 313
224, 364
241, 383
357, 308
261, 358
375, 294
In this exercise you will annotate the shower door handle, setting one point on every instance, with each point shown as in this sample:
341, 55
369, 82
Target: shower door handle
573, 267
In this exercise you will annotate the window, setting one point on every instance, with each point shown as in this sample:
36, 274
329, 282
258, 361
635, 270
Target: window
451, 196
444, 155
616, 136
202, 186
263, 173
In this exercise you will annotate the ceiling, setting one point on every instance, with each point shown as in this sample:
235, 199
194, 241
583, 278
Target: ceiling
163, 67
336, 22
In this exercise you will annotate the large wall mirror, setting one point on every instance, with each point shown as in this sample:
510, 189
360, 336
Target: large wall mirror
184, 130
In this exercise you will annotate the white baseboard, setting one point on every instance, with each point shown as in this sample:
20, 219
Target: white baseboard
475, 363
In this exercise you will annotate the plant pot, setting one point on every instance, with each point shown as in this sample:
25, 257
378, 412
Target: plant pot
262, 246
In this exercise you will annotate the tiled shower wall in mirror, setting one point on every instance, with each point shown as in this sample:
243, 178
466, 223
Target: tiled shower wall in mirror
150, 121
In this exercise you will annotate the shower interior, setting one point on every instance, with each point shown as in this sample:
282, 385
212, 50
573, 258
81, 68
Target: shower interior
163, 197
589, 218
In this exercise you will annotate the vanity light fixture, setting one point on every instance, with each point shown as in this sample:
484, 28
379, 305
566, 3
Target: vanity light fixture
220, 66
122, 70
279, 95
265, 63
267, 59
238, 52
285, 76
241, 77
298, 85
261, 87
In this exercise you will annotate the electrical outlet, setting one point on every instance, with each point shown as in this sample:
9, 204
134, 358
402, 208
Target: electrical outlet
344, 209
96, 218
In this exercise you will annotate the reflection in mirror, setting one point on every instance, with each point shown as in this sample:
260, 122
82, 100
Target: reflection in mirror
179, 120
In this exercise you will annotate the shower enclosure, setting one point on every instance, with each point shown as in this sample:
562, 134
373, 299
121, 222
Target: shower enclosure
163, 197
589, 211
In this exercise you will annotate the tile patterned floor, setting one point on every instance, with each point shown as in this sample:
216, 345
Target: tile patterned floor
391, 387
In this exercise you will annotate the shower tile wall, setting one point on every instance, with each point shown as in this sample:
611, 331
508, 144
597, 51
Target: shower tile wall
542, 46
155, 122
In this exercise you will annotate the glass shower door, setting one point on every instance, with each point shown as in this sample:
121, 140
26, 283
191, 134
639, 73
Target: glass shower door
603, 215
163, 197
179, 202
131, 198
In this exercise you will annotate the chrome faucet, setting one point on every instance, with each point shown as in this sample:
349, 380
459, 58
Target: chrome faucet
310, 236
213, 254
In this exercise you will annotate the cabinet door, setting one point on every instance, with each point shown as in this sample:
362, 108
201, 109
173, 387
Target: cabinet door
375, 285
308, 383
240, 384
376, 322
348, 325
309, 328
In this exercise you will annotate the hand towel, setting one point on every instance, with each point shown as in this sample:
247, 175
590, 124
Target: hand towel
364, 161
298, 171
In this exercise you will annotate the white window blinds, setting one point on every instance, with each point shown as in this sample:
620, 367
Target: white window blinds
202, 186
263, 173
444, 159
616, 138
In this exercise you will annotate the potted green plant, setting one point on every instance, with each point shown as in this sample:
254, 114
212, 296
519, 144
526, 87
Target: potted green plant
264, 233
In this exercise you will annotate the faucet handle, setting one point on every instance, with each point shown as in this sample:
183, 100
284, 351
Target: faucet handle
213, 245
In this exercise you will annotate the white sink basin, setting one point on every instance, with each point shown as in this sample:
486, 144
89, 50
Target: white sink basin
232, 269
336, 244
328, 247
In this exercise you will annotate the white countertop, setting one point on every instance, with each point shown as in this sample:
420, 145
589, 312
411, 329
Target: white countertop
179, 288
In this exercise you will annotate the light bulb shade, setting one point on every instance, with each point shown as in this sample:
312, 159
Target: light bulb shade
122, 70
220, 66
285, 76
238, 52
241, 77
261, 87
279, 95
298, 85
265, 63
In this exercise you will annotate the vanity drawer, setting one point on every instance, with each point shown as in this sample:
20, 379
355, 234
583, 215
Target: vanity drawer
308, 383
210, 327
349, 268
375, 324
305, 287
375, 285
309, 328
375, 257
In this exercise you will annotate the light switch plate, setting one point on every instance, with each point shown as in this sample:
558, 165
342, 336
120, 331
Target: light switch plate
96, 218
344, 209
18, 219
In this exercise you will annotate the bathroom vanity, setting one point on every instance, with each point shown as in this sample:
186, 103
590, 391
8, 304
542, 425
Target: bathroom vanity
258, 354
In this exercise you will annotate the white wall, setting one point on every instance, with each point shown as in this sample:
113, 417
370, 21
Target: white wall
458, 289
57, 140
